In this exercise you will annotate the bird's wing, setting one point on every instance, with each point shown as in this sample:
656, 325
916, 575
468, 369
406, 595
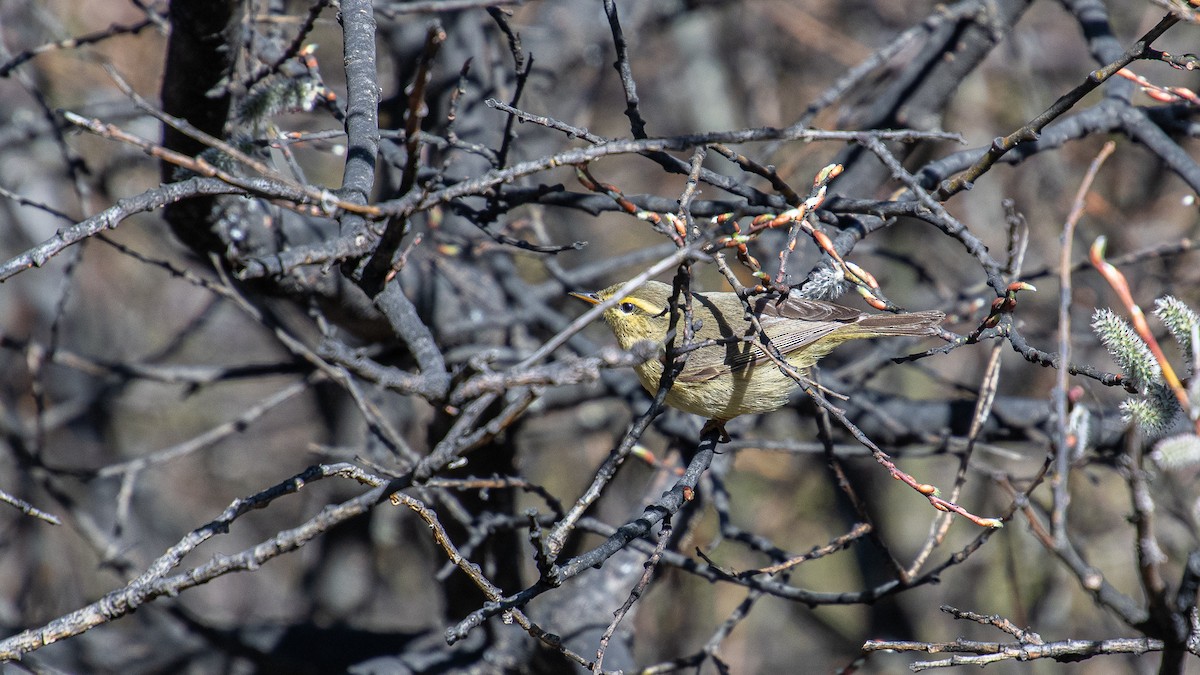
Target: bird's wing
794, 324
790, 323
795, 307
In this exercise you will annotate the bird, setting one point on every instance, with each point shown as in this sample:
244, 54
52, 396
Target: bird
732, 375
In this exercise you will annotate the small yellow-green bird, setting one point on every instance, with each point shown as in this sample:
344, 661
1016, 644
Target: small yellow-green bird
722, 381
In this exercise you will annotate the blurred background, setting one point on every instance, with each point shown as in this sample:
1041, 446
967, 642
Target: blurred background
139, 402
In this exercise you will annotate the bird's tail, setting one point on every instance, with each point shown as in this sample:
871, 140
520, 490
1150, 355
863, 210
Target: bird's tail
913, 323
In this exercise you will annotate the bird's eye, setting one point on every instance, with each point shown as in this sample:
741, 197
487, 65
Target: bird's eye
626, 307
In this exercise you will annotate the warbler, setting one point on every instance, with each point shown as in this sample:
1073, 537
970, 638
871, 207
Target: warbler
733, 376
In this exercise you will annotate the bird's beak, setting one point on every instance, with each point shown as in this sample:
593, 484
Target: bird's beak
590, 298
